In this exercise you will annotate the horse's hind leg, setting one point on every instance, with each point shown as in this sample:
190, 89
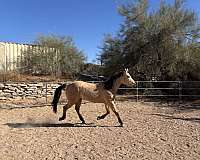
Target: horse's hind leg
113, 107
77, 108
65, 108
104, 115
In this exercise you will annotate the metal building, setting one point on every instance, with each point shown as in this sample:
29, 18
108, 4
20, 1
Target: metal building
10, 54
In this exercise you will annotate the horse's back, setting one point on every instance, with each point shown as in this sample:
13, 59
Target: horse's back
85, 84
84, 90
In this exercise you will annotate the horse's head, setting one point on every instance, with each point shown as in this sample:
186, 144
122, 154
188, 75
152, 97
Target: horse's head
127, 79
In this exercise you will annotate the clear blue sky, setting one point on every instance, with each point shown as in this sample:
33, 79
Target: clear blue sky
86, 21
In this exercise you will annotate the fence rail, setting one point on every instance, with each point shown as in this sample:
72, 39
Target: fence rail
147, 89
143, 89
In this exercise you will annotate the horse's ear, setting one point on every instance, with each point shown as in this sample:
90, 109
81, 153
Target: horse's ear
126, 69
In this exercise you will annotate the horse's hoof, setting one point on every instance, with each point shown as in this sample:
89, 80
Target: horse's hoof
61, 119
121, 125
83, 122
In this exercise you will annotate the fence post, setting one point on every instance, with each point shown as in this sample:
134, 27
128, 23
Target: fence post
136, 91
46, 94
180, 90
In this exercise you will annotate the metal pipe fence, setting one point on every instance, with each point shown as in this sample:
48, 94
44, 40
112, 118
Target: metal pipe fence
173, 89
179, 90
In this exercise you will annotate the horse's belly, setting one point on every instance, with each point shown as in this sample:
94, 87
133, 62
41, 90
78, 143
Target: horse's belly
93, 98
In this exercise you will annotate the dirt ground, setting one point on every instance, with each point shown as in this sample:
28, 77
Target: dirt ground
151, 131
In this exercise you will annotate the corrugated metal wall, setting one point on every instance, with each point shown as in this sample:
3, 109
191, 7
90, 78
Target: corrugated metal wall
10, 54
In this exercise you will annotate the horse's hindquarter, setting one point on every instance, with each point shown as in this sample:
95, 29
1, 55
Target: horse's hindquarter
72, 93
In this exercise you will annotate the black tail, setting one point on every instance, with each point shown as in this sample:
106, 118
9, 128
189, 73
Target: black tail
56, 97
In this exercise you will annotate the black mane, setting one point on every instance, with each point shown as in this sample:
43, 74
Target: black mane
108, 84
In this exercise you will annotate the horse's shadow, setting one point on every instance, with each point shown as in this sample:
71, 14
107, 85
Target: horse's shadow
53, 125
191, 119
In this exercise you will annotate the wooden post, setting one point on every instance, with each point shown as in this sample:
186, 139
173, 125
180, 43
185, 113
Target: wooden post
180, 90
46, 95
136, 91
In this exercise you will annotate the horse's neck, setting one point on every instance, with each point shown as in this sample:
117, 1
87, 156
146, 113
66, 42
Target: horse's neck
116, 86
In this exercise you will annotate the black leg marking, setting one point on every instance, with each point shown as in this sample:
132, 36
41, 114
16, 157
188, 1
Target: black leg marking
77, 108
104, 115
65, 108
113, 107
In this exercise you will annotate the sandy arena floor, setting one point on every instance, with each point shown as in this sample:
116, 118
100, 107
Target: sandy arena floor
151, 131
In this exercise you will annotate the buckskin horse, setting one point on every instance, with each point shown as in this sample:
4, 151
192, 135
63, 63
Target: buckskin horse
103, 92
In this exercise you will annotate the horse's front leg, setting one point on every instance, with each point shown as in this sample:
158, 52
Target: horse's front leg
104, 115
114, 109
